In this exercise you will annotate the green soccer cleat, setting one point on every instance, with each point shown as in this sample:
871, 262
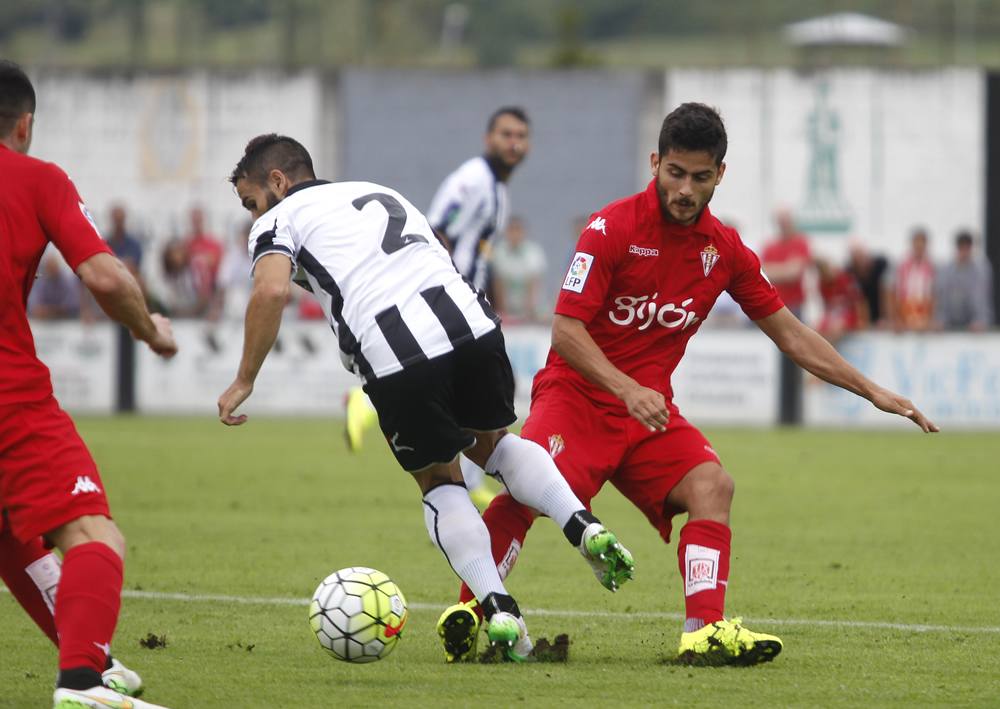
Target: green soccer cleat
509, 634
612, 563
97, 698
458, 628
122, 680
727, 642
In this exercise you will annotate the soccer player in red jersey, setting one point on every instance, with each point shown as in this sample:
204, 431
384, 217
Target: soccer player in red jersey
49, 484
647, 270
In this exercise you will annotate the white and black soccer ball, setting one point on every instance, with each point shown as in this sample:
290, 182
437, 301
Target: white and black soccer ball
358, 614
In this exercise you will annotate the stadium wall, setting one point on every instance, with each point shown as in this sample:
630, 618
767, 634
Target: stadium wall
727, 377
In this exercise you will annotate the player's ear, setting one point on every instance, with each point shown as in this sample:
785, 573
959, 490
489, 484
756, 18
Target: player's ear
654, 162
279, 182
23, 131
722, 171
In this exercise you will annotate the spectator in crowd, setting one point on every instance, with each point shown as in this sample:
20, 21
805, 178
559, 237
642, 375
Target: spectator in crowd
785, 261
844, 307
205, 255
869, 273
175, 291
229, 301
964, 290
124, 244
913, 287
519, 269
56, 292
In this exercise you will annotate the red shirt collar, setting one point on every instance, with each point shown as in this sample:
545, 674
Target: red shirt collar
705, 225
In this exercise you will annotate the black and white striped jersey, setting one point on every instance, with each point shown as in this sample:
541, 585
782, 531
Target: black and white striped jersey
387, 286
470, 207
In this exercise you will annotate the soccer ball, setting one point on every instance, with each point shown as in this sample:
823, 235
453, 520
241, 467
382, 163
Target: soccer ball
358, 614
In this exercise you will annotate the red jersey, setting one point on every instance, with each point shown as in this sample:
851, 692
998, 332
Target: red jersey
785, 250
643, 286
38, 204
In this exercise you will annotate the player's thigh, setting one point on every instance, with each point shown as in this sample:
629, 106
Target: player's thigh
416, 412
656, 463
484, 384
47, 476
586, 443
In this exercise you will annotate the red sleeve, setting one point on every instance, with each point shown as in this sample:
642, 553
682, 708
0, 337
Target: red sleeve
750, 287
66, 221
584, 289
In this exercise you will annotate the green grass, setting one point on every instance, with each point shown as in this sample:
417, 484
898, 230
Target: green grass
870, 527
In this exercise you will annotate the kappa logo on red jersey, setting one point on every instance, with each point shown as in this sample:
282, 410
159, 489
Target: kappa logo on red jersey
709, 257
642, 250
84, 484
645, 310
599, 224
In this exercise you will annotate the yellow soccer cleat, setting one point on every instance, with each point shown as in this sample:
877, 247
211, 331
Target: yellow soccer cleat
481, 497
727, 642
360, 416
458, 628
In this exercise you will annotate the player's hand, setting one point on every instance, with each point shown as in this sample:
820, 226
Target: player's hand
231, 398
648, 407
162, 343
893, 403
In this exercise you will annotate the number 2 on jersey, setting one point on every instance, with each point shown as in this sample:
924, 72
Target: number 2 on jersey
394, 238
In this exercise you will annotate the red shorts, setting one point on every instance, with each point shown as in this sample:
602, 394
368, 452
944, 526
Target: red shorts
47, 476
592, 445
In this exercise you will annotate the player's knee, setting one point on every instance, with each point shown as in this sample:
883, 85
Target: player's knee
712, 487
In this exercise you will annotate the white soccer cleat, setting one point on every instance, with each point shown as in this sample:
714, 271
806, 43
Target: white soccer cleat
121, 679
97, 698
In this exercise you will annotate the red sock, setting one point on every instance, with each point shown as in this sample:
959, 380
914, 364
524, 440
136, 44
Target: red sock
703, 557
31, 572
87, 605
508, 522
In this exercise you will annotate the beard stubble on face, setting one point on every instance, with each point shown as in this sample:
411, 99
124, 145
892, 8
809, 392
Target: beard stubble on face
666, 203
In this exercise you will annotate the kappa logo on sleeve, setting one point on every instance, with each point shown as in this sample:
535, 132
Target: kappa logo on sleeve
599, 224
579, 269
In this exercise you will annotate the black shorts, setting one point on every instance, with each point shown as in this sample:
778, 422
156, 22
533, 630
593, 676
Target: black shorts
427, 410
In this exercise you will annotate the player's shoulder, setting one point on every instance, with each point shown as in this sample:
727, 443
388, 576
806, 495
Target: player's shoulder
617, 218
727, 237
21, 166
474, 172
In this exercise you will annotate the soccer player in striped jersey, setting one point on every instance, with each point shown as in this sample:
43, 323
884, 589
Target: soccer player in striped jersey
429, 350
468, 210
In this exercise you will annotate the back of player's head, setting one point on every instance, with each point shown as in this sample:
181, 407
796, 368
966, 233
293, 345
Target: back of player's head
694, 127
273, 152
17, 95
515, 111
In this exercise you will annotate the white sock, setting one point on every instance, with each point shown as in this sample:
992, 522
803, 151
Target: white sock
455, 526
472, 473
532, 478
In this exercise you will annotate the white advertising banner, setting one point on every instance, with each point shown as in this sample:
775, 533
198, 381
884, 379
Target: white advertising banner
302, 374
953, 379
83, 361
728, 377
854, 153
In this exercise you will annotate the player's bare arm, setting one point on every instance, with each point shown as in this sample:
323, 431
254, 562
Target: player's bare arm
119, 295
573, 343
271, 282
812, 352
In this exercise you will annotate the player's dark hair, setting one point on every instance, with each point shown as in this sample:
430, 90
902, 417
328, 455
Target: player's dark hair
694, 127
964, 238
17, 96
516, 111
273, 152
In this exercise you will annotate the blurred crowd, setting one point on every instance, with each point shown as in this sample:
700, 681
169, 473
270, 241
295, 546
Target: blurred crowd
200, 275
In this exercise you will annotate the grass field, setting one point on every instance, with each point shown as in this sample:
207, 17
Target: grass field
845, 545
